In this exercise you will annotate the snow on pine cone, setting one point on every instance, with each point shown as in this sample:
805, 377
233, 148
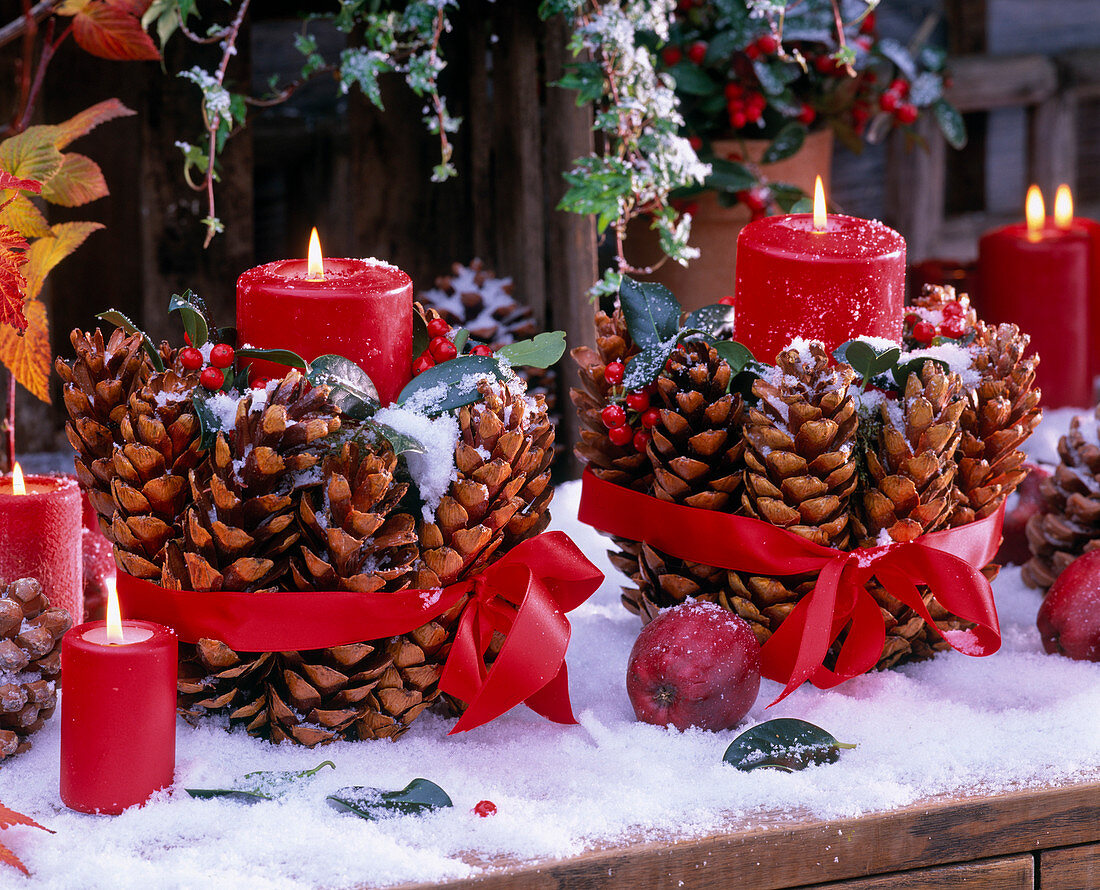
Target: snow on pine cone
30, 662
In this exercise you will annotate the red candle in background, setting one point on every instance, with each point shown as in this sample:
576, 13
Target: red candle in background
819, 276
360, 309
118, 712
1039, 277
40, 536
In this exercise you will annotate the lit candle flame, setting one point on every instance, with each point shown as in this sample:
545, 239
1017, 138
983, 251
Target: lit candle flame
17, 485
114, 616
316, 260
821, 216
1063, 207
1035, 212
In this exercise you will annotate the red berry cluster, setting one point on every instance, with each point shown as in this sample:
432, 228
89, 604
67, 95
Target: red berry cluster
620, 418
213, 375
744, 105
763, 46
893, 102
441, 347
953, 326
757, 199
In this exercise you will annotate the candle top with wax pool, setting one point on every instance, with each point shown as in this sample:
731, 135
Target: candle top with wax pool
342, 275
844, 238
40, 485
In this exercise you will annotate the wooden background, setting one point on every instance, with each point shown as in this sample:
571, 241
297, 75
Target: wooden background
1030, 82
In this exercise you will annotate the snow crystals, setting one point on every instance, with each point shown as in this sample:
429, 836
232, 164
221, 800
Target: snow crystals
434, 470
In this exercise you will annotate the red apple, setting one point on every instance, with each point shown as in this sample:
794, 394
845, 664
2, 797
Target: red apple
1069, 618
694, 665
1027, 503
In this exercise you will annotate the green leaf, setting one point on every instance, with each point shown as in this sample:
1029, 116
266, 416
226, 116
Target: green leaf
713, 319
209, 425
401, 442
542, 351
450, 385
735, 354
729, 176
460, 338
418, 797
195, 324
353, 392
692, 80
926, 89
899, 55
786, 195
774, 76
420, 334
866, 358
802, 205
279, 356
951, 123
913, 366
646, 365
113, 316
786, 143
651, 311
257, 786
786, 744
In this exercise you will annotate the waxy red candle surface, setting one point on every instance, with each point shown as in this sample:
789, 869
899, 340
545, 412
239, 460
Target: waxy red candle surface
40, 537
834, 285
1041, 282
118, 715
362, 310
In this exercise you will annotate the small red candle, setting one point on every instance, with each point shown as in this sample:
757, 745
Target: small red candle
118, 712
819, 276
40, 536
1039, 276
360, 309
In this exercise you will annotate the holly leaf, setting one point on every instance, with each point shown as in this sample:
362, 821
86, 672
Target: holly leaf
736, 355
786, 143
353, 392
84, 122
712, 319
899, 55
785, 744
418, 797
729, 176
280, 356
209, 427
450, 385
691, 80
13, 282
913, 366
460, 339
45, 253
27, 355
866, 358
542, 351
78, 181
110, 29
262, 785
195, 323
652, 313
420, 334
646, 365
401, 442
951, 123
113, 316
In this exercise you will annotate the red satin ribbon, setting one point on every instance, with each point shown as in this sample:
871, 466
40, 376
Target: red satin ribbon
524, 595
948, 562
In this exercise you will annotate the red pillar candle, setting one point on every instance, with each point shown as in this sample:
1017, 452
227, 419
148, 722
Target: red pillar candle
40, 536
360, 309
118, 712
830, 279
1038, 276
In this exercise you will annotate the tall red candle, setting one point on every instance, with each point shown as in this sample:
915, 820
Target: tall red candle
360, 309
832, 283
118, 714
40, 537
1038, 276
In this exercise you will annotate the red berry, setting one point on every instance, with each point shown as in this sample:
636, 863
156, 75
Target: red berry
651, 418
806, 115
752, 51
221, 356
485, 808
824, 64
860, 114
613, 416
637, 401
900, 86
261, 382
211, 378
191, 358
482, 349
442, 349
734, 91
867, 26
697, 52
888, 101
614, 373
695, 142
906, 114
911, 319
727, 301
767, 44
738, 120
438, 327
671, 55
753, 114
924, 332
423, 363
954, 327
620, 435
641, 440
954, 309
757, 101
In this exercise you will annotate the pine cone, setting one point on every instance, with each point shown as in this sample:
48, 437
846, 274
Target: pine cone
1071, 525
355, 537
30, 662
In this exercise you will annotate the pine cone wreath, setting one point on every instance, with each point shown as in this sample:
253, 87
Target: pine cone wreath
1071, 525
30, 662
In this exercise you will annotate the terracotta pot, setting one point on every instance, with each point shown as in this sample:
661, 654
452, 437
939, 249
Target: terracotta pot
714, 228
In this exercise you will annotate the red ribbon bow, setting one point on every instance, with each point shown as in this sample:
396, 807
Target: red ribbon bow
524, 595
947, 562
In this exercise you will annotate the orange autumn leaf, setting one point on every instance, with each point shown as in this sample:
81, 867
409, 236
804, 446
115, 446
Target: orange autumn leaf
18, 212
110, 29
27, 355
13, 284
9, 817
7, 857
84, 122
78, 181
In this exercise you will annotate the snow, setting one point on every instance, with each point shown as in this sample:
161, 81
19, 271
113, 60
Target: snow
224, 407
952, 725
434, 470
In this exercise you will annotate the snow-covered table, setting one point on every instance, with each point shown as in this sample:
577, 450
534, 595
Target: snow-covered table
958, 759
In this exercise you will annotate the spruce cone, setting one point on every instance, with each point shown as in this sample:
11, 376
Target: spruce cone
999, 416
355, 537
30, 662
1071, 525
